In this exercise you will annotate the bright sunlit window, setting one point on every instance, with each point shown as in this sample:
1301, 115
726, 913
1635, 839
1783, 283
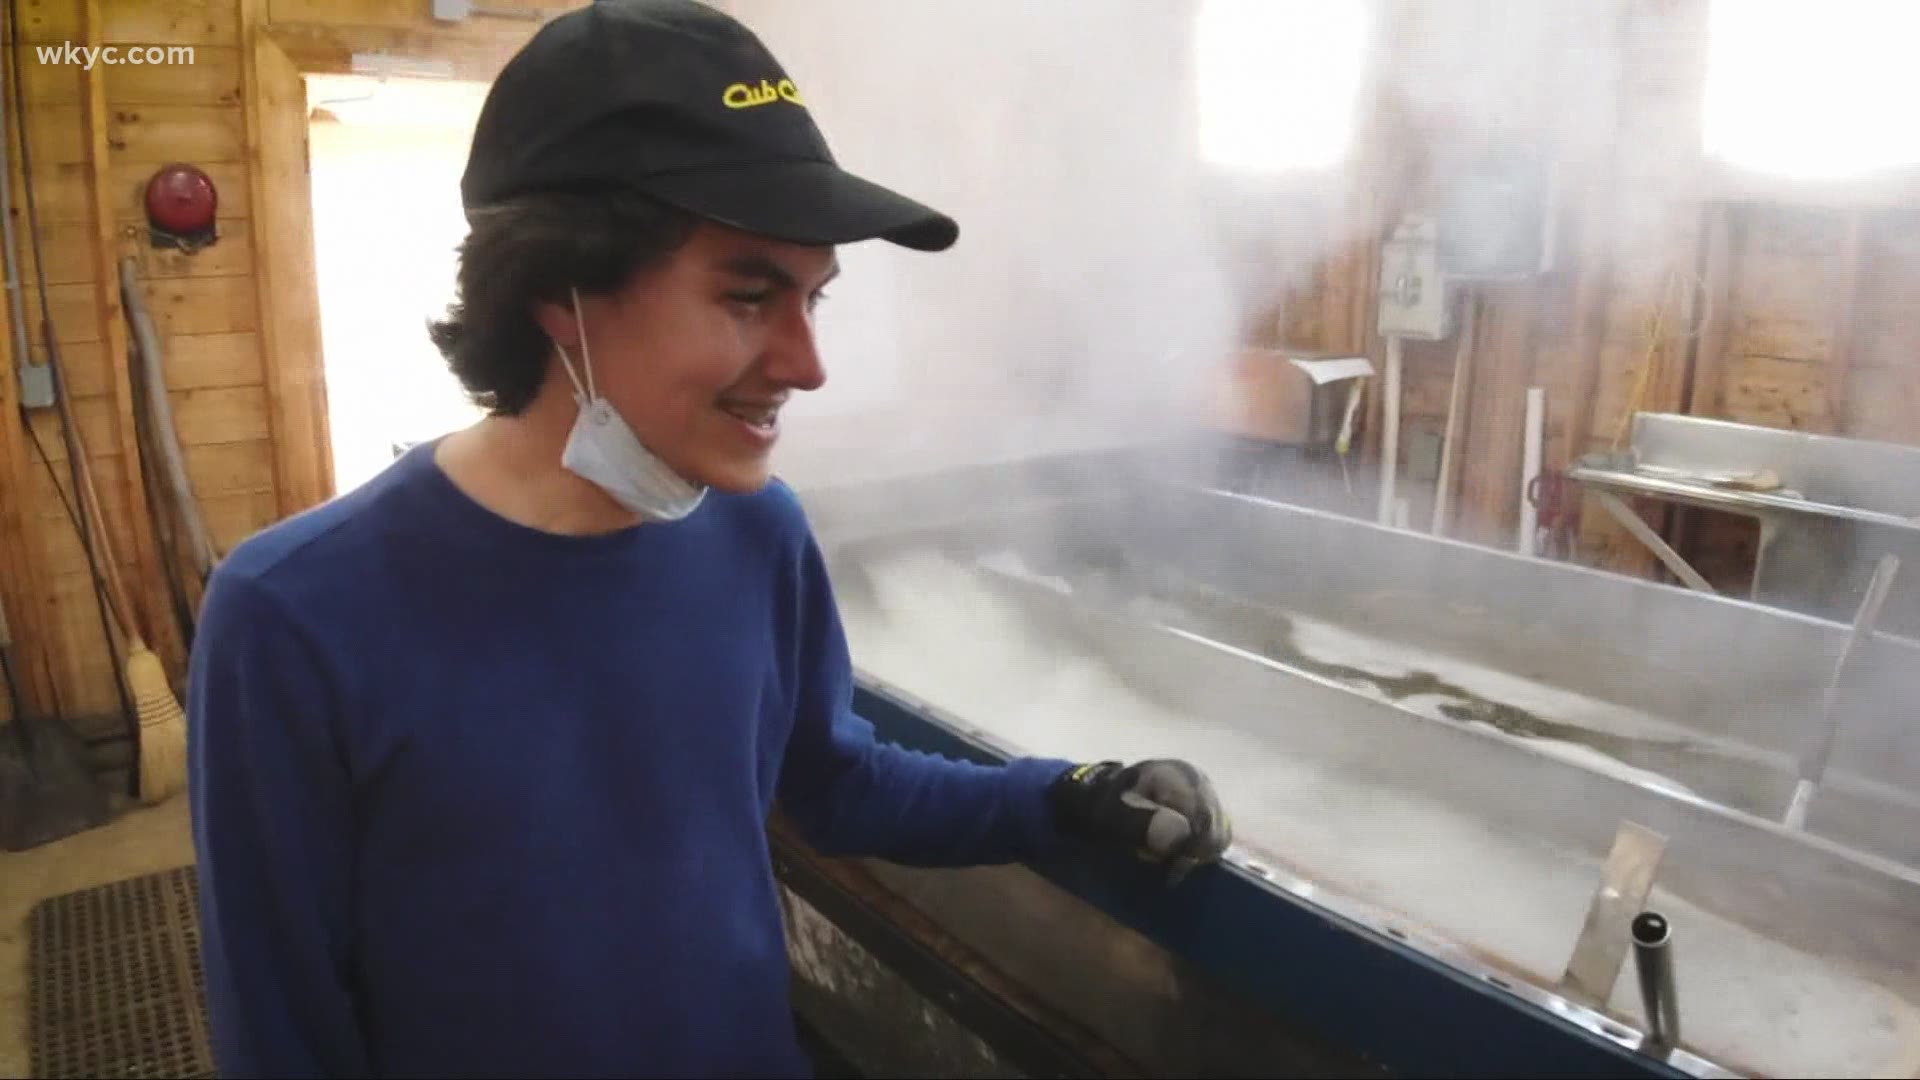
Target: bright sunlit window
1279, 81
1815, 89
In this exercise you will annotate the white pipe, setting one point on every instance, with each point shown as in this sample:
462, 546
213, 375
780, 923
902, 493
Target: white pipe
1530, 467
1389, 431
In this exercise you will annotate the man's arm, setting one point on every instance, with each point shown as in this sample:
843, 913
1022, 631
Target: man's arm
850, 794
272, 827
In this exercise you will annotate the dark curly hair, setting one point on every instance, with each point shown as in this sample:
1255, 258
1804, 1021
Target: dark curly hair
532, 249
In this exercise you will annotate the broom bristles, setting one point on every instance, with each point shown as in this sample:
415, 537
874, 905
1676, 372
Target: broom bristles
163, 728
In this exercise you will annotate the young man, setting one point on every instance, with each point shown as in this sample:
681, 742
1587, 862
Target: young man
483, 752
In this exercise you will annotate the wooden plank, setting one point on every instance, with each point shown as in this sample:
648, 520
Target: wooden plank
1341, 283
1779, 392
1720, 238
159, 22
1885, 403
85, 364
58, 137
233, 518
1640, 330
213, 78
230, 468
22, 566
289, 303
203, 305
50, 484
1775, 331
1591, 286
230, 255
45, 85
159, 134
1889, 294
95, 415
223, 415
1493, 429
172, 22
48, 20
1846, 317
86, 673
71, 307
324, 49
351, 12
1259, 396
190, 362
1669, 390
1787, 265
59, 192
207, 360
1453, 420
65, 554
145, 588
68, 247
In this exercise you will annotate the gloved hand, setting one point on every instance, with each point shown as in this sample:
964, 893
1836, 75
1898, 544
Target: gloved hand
1162, 810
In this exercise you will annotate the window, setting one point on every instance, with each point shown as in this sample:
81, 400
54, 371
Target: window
1279, 81
1812, 89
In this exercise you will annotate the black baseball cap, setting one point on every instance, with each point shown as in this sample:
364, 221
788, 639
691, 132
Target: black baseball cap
681, 102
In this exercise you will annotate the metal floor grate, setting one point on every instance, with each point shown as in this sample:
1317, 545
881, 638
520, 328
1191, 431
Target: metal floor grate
117, 989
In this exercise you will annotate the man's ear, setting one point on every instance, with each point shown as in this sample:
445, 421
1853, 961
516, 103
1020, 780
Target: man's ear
555, 320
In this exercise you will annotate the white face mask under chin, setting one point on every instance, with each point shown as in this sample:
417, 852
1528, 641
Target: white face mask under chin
603, 450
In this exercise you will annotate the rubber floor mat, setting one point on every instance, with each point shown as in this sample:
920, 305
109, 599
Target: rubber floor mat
117, 988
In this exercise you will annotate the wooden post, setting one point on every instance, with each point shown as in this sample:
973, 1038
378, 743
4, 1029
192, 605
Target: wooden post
149, 594
284, 272
1496, 415
1710, 351
1846, 313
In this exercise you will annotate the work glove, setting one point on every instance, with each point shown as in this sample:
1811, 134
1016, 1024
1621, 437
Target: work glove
1163, 811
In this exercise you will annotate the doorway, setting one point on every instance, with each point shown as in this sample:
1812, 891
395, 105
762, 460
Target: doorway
386, 155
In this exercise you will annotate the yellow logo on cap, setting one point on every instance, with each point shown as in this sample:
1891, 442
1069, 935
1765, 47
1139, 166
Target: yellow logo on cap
742, 96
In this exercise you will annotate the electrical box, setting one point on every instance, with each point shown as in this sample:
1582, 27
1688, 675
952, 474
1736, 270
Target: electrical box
36, 386
1413, 295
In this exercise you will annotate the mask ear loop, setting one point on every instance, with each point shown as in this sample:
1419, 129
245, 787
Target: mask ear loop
586, 356
582, 394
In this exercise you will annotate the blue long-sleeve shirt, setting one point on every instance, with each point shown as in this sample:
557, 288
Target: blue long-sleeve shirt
475, 799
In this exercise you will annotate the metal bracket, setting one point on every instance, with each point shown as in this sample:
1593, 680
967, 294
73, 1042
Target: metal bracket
1625, 881
1631, 522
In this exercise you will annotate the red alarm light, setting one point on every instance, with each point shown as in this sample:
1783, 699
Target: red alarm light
181, 201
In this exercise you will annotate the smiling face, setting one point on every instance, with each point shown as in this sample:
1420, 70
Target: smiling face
699, 354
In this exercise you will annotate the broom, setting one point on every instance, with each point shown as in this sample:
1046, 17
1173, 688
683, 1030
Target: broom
163, 727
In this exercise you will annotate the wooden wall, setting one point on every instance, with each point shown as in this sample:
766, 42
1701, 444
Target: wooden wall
239, 320
94, 138
1677, 286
